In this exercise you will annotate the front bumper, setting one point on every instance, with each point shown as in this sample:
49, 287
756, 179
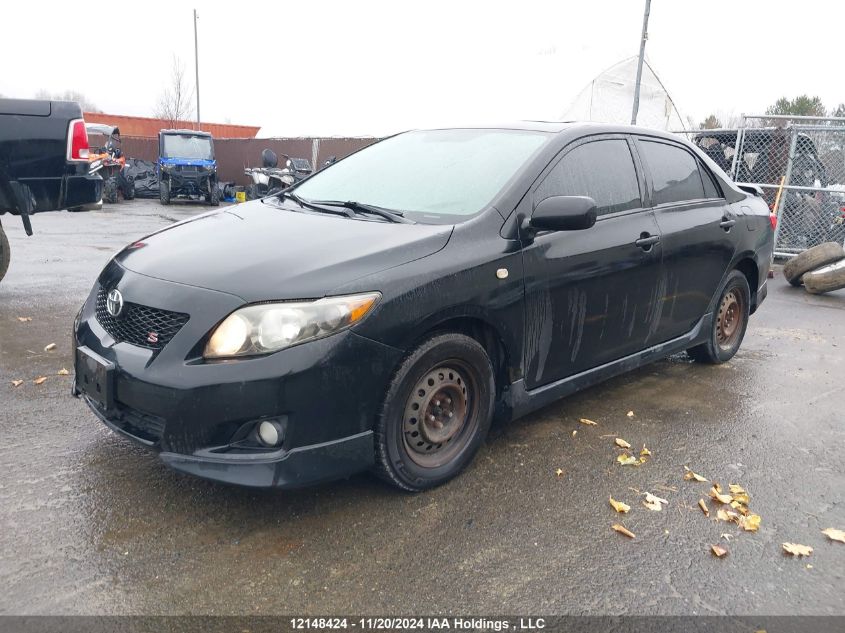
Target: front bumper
193, 413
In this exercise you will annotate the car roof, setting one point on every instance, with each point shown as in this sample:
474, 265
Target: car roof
191, 132
556, 127
101, 128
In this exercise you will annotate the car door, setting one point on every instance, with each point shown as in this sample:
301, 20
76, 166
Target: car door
591, 294
698, 230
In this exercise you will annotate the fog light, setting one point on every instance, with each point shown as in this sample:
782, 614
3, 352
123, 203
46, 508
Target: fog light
270, 433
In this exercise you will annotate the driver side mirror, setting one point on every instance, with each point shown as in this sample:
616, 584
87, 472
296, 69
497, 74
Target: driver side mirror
564, 213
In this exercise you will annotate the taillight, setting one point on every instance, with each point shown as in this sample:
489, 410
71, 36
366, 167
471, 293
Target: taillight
77, 141
774, 220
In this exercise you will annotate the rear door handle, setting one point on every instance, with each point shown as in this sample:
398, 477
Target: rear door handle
646, 241
727, 223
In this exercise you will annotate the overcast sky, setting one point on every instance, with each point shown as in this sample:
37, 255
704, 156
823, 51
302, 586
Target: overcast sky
366, 67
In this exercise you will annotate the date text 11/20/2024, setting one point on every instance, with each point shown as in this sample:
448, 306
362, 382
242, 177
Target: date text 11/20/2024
421, 623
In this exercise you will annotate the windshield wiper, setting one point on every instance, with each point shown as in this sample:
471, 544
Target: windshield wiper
307, 204
362, 208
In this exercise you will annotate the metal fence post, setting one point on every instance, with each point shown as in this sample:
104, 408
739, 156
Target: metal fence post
315, 153
740, 135
788, 176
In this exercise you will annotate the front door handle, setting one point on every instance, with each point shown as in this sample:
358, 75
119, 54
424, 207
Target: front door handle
646, 241
727, 223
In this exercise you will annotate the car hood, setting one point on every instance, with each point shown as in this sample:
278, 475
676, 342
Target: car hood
260, 252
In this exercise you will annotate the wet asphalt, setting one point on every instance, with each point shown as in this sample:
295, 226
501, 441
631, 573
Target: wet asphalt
92, 524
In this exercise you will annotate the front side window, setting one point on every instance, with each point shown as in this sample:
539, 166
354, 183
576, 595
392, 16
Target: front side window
603, 170
674, 173
433, 176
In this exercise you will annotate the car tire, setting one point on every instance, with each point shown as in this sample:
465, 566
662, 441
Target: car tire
825, 279
110, 190
164, 192
128, 189
5, 253
449, 380
729, 323
816, 257
214, 196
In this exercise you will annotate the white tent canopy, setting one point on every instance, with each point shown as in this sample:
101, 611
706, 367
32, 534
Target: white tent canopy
609, 98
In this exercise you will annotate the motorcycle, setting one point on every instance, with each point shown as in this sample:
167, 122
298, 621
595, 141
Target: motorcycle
270, 178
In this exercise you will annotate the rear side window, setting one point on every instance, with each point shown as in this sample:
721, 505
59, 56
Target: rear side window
711, 190
602, 170
674, 172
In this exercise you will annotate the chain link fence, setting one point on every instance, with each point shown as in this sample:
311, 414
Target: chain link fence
798, 162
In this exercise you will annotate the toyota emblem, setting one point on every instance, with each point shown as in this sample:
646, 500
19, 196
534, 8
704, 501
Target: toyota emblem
114, 303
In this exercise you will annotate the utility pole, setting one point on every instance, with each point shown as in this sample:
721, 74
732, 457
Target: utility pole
639, 65
197, 67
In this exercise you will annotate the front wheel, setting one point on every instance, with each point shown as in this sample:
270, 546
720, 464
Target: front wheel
164, 192
729, 322
110, 190
5, 253
436, 414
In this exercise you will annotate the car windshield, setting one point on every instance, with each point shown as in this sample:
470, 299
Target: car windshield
432, 176
186, 146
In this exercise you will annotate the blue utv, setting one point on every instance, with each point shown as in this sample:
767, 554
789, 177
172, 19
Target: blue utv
186, 166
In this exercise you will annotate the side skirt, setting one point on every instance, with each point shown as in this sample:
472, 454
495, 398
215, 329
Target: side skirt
521, 401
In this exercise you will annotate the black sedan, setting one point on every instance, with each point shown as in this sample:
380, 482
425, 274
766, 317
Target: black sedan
381, 313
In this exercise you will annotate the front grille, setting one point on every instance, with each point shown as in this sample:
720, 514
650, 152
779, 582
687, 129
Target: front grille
144, 426
140, 325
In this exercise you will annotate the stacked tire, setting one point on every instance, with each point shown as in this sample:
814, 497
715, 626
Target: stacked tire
819, 269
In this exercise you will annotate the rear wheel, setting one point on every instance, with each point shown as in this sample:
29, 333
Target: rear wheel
5, 253
729, 322
164, 192
436, 413
128, 188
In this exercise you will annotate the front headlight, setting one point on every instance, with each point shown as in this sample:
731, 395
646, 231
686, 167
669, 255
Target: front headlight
269, 327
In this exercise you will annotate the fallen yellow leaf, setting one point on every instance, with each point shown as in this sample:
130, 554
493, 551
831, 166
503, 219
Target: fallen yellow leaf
630, 414
627, 460
739, 494
588, 422
623, 530
575, 432
703, 505
559, 472
796, 549
50, 347
63, 372
24, 319
645, 451
619, 506
729, 516
689, 475
653, 502
718, 550
716, 493
17, 383
749, 523
40, 380
622, 443
834, 535
736, 505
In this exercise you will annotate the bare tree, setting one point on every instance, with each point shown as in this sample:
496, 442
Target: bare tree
69, 95
175, 103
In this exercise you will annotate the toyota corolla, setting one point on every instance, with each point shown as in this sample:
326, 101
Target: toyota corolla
381, 313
